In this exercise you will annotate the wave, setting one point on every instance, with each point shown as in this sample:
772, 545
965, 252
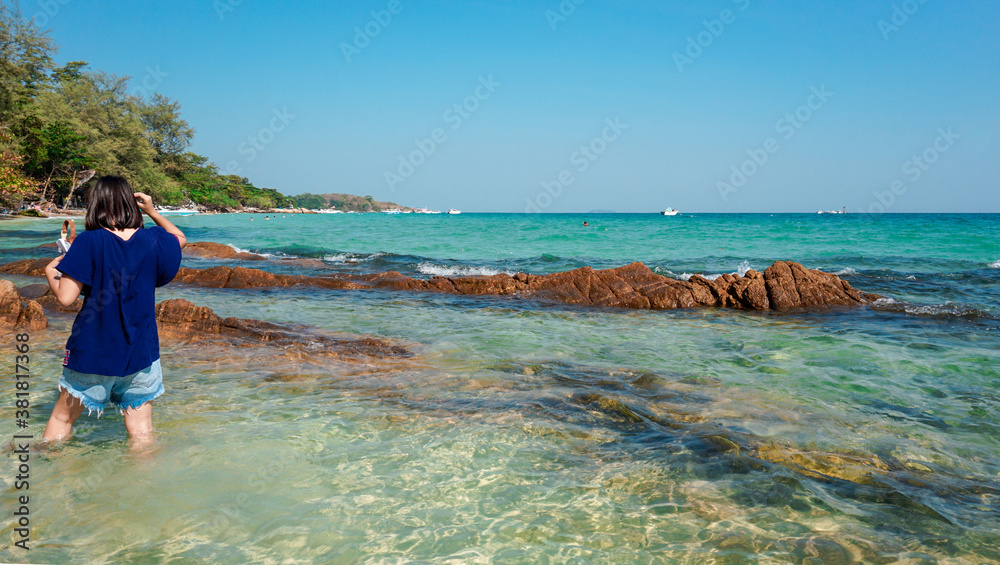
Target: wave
445, 271
845, 272
262, 254
353, 257
948, 309
740, 271
995, 264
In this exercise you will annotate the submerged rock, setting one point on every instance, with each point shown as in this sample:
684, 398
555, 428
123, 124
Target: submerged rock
180, 319
18, 312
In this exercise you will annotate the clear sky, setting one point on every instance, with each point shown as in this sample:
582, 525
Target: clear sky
575, 105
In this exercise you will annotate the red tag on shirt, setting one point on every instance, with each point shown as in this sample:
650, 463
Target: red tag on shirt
66, 358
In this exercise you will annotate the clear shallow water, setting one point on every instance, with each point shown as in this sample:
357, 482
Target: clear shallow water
529, 433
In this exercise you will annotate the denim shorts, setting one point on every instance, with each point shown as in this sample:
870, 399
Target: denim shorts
128, 392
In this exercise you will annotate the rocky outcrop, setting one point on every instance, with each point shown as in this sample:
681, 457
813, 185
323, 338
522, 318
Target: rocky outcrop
785, 285
179, 319
30, 267
219, 251
17, 312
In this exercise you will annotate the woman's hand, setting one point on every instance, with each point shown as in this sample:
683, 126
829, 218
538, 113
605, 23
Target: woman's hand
51, 267
145, 202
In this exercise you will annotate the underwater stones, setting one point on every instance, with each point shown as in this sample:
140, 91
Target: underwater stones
182, 320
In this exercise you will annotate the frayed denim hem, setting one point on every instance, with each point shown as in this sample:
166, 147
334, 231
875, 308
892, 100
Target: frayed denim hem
87, 403
123, 408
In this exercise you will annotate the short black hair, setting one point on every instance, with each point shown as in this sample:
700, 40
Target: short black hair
111, 204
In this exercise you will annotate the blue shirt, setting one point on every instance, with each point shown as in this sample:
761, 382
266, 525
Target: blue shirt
115, 332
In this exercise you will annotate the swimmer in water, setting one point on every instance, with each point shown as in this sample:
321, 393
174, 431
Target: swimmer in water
585, 224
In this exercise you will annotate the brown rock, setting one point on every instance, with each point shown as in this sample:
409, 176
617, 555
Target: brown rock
784, 285
241, 277
29, 267
215, 277
219, 251
32, 317
17, 312
179, 319
790, 286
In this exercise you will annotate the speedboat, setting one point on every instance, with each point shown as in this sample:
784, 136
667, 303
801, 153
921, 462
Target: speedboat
670, 212
454, 211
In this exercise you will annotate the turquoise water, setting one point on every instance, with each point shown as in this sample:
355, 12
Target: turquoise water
524, 432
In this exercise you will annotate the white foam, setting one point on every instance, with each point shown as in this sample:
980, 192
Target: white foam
354, 257
442, 271
267, 255
743, 268
846, 271
995, 265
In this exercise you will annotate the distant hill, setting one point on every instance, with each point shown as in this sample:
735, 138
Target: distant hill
343, 202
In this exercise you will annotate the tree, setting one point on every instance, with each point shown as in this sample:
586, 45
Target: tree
97, 107
168, 134
25, 62
13, 184
54, 151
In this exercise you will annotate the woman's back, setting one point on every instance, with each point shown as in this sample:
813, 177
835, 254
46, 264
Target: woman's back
115, 331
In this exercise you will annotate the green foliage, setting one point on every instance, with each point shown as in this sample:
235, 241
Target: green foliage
343, 202
13, 184
60, 121
310, 201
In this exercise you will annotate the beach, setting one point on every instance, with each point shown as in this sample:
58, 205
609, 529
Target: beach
515, 429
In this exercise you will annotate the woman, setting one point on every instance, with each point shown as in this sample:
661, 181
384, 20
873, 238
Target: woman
113, 350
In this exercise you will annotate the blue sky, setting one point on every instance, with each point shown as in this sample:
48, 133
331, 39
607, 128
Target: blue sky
575, 105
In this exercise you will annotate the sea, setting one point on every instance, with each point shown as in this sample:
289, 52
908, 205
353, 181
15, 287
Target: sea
522, 431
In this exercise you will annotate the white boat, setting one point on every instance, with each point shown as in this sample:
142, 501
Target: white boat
392, 211
670, 212
426, 210
454, 211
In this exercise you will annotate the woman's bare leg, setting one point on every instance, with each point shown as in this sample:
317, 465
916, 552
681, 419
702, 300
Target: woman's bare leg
139, 425
67, 409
